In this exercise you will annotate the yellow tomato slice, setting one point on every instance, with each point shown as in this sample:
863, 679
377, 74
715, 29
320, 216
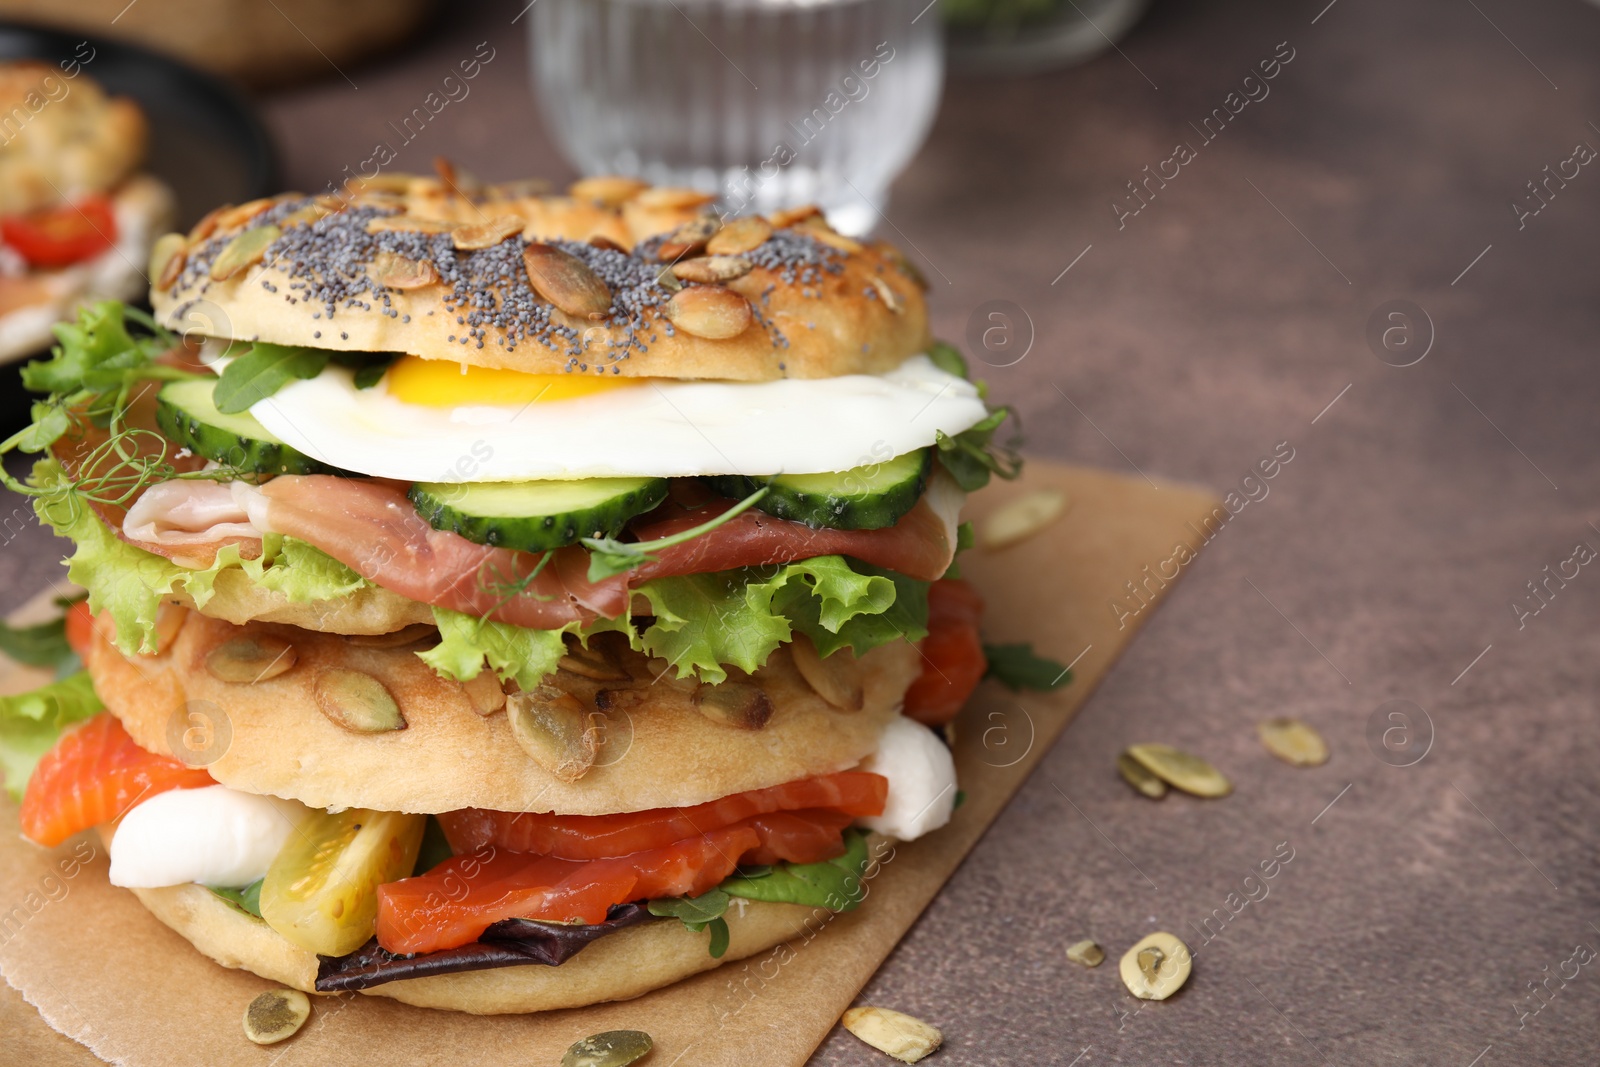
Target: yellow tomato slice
321, 891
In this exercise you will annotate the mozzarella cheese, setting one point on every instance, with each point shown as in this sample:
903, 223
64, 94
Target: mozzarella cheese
922, 780
214, 836
631, 427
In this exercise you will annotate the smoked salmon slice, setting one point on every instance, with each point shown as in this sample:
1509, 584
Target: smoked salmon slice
96, 774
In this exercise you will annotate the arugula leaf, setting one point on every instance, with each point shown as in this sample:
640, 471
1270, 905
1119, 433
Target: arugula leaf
971, 456
609, 557
697, 913
30, 724
42, 645
262, 371
948, 358
514, 652
370, 374
245, 898
1019, 667
834, 884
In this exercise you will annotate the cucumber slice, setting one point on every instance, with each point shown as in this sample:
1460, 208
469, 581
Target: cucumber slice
187, 414
535, 516
869, 497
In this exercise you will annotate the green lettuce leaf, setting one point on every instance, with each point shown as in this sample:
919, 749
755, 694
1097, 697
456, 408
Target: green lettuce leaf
246, 898
94, 352
834, 884
130, 583
737, 618
30, 723
514, 652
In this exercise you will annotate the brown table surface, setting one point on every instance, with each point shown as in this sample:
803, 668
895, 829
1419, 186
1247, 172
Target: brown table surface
1223, 319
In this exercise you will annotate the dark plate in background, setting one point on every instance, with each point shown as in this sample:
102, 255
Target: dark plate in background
206, 141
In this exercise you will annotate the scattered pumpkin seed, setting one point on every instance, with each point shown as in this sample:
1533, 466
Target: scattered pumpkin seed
1293, 742
251, 658
409, 224
905, 1037
487, 234
891, 299
207, 224
671, 198
1022, 517
734, 703
167, 257
740, 236
1087, 953
400, 272
614, 1048
709, 311
782, 220
606, 189
595, 663
238, 216
1134, 773
243, 252
831, 678
555, 730
566, 281
1156, 967
709, 270
485, 692
406, 635
275, 1015
357, 701
600, 240
817, 228
1177, 768
689, 239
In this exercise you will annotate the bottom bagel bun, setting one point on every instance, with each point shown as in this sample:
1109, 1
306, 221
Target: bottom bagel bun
619, 966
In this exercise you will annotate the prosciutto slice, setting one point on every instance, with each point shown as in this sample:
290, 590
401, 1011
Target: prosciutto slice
370, 526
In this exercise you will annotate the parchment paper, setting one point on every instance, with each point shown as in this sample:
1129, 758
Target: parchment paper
100, 969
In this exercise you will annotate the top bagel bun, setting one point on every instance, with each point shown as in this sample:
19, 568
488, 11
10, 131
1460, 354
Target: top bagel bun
613, 278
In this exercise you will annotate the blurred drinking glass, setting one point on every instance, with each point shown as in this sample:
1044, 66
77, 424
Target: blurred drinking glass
766, 103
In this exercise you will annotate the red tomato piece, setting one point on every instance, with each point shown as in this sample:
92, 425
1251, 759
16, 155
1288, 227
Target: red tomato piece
953, 659
61, 236
95, 774
80, 628
581, 837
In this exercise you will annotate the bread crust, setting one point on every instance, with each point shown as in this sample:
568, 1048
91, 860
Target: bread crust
659, 750
63, 137
619, 966
810, 303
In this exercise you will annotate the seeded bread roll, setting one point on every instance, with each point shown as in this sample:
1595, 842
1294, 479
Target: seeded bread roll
619, 966
658, 745
63, 138
614, 278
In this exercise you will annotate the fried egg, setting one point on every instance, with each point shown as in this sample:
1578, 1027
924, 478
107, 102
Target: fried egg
433, 421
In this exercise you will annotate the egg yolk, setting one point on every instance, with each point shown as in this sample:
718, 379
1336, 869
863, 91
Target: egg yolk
441, 383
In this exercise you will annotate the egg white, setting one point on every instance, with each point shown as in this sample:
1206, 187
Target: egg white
662, 428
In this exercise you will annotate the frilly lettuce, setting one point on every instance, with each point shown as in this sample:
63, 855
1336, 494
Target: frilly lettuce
737, 618
514, 652
30, 723
130, 583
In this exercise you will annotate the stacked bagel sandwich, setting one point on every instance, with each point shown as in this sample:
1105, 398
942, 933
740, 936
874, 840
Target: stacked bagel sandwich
503, 601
